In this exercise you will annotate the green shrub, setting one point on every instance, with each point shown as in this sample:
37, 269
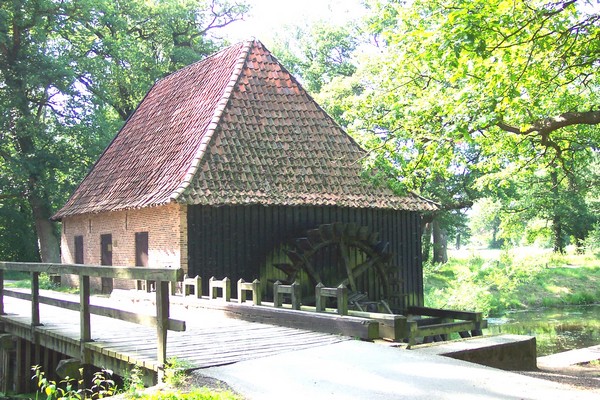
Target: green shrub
72, 389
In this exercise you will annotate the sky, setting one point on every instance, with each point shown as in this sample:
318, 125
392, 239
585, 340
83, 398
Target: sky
269, 18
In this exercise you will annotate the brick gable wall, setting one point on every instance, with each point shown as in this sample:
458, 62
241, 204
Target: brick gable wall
167, 238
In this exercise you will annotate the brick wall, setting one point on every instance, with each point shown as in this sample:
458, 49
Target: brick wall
167, 238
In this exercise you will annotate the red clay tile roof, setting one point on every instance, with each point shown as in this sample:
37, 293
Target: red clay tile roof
235, 128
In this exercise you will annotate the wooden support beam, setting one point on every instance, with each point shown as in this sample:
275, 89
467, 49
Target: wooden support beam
243, 287
7, 342
294, 290
85, 328
162, 323
391, 326
346, 325
84, 309
35, 299
440, 329
1, 292
436, 312
20, 367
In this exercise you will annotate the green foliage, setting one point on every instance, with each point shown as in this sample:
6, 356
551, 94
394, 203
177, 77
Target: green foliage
468, 99
592, 241
71, 72
318, 54
71, 388
195, 394
508, 280
175, 371
133, 383
45, 281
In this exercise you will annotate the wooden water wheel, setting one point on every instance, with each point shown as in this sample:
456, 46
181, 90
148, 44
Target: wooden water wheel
355, 249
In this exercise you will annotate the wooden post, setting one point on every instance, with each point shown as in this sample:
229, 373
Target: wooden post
256, 292
85, 327
196, 283
294, 290
320, 307
342, 299
162, 323
340, 293
19, 377
226, 289
35, 299
277, 298
1, 292
214, 285
254, 287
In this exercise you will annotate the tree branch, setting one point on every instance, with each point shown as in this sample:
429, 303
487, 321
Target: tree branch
548, 125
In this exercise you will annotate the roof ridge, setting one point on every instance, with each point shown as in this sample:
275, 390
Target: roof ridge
214, 123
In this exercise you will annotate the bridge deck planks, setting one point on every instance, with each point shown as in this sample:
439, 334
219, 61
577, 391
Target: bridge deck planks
211, 338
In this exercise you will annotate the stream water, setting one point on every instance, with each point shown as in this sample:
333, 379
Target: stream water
556, 329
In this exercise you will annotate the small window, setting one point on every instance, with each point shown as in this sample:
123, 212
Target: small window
141, 249
78, 249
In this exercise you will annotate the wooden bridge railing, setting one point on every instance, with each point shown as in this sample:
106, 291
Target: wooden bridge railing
162, 277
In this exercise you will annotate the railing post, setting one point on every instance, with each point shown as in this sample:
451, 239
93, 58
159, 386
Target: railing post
84, 309
319, 306
1, 292
296, 295
35, 299
162, 323
256, 292
85, 328
342, 299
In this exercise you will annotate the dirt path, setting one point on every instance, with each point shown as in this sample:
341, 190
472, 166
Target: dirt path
585, 376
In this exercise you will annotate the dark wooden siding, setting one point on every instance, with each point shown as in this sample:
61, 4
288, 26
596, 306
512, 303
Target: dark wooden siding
238, 241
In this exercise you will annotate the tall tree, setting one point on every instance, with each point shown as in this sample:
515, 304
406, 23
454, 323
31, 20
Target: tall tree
71, 72
466, 90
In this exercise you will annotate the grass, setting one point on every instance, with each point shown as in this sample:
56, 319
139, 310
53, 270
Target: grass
23, 281
176, 386
193, 394
495, 281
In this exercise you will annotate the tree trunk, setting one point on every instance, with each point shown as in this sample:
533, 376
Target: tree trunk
440, 243
426, 242
49, 243
559, 244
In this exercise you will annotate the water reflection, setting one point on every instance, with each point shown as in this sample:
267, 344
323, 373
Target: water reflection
556, 329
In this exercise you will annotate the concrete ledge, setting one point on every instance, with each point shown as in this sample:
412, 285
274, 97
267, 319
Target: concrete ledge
507, 352
571, 357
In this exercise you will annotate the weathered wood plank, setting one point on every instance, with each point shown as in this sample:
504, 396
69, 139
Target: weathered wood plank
454, 314
105, 271
439, 329
211, 338
162, 324
35, 299
320, 322
1, 292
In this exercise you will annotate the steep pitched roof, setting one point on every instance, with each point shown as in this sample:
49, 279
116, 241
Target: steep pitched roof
235, 128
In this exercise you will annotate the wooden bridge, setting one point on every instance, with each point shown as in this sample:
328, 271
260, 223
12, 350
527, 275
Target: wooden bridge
40, 327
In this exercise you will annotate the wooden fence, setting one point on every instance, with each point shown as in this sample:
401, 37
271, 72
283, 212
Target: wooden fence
162, 277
